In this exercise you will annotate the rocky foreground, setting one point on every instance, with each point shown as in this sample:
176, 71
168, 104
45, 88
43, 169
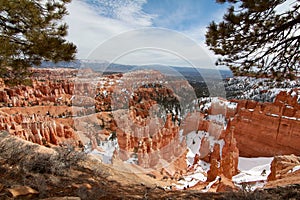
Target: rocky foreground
146, 131
30, 171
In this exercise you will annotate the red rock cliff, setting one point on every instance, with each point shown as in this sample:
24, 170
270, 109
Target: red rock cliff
268, 129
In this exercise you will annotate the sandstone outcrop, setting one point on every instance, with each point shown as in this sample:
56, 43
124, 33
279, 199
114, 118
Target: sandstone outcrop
230, 154
149, 143
22, 191
268, 129
281, 166
219, 147
37, 128
225, 185
42, 91
146, 113
285, 170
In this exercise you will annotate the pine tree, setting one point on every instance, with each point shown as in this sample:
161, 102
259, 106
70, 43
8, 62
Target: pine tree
32, 31
258, 38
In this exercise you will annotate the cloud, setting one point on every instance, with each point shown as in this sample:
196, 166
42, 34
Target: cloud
127, 11
93, 22
153, 45
180, 13
87, 28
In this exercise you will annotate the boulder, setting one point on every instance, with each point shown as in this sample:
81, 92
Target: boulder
24, 191
282, 165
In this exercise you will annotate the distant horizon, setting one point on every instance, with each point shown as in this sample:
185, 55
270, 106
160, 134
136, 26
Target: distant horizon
122, 64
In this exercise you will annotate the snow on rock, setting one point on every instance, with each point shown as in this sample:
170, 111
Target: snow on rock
106, 150
246, 164
296, 168
191, 180
258, 89
198, 170
217, 118
254, 171
198, 174
132, 160
210, 184
193, 141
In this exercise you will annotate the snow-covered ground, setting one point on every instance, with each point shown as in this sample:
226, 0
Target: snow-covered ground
193, 141
254, 172
210, 184
192, 179
200, 169
258, 89
108, 147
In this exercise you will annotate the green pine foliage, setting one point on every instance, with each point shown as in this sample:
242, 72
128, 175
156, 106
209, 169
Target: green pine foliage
258, 38
32, 31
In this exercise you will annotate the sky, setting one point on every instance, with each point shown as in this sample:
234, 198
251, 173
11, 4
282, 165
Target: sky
170, 32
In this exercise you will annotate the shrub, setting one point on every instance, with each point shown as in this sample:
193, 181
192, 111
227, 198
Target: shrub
56, 164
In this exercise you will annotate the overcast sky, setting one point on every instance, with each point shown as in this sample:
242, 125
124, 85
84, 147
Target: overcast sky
94, 22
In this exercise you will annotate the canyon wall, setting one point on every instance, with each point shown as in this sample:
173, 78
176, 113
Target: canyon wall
268, 129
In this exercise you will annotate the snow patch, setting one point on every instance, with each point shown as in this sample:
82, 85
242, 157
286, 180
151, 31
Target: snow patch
259, 89
193, 141
210, 184
191, 180
132, 160
296, 168
254, 171
181, 135
108, 147
217, 118
291, 118
199, 175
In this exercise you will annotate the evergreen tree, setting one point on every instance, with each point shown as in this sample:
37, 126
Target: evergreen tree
258, 37
32, 31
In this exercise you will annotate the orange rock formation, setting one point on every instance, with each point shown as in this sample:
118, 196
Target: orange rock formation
268, 129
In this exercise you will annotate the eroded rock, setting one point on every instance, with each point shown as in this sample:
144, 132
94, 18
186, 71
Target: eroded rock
19, 191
